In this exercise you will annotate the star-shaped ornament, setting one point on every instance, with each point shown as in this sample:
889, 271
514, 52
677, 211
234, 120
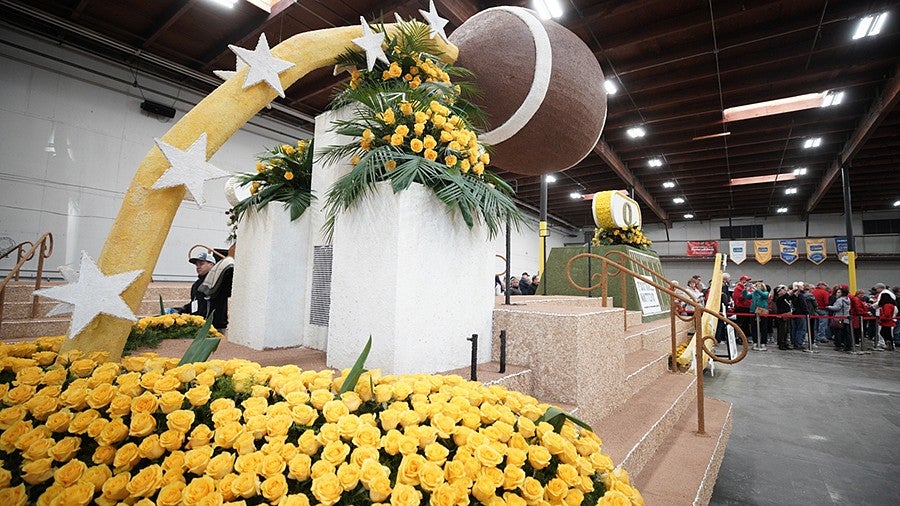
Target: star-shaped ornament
189, 168
94, 293
225, 75
371, 43
435, 22
263, 66
71, 276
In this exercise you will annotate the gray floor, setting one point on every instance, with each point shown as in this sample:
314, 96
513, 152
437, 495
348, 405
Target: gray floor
814, 429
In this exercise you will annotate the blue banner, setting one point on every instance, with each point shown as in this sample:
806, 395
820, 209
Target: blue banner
788, 250
841, 246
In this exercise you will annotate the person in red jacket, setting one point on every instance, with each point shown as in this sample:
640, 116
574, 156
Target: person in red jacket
742, 304
858, 307
887, 314
822, 295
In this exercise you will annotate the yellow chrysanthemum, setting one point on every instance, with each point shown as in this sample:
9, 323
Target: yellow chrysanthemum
288, 175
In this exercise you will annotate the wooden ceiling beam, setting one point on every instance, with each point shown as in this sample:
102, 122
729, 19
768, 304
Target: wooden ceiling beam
615, 163
166, 20
241, 36
79, 9
457, 11
881, 107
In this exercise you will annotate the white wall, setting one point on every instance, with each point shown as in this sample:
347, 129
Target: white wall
525, 246
880, 254
71, 140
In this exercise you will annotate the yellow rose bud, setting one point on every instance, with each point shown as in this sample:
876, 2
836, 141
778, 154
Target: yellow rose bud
150, 448
327, 489
37, 471
170, 401
171, 440
197, 489
104, 455
246, 485
388, 116
171, 494
180, 420
429, 142
69, 473
450, 160
97, 475
127, 456
114, 489
15, 496
431, 154
65, 449
538, 456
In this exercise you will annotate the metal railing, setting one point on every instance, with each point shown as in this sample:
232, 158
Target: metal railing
699, 311
45, 244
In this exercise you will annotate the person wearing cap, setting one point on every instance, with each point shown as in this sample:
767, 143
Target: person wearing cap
823, 299
212, 289
742, 304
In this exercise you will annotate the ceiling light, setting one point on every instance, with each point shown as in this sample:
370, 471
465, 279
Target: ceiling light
897, 203
688, 216
772, 107
782, 210
799, 171
833, 98
678, 200
550, 178
610, 86
812, 142
548, 9
669, 184
226, 3
869, 26
771, 178
635, 132
576, 195
790, 191
655, 162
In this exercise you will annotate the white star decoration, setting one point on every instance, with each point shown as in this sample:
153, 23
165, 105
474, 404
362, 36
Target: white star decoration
263, 66
435, 22
371, 43
94, 293
71, 276
189, 168
225, 75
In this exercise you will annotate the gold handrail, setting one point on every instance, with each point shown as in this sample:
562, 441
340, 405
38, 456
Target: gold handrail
699, 310
45, 242
19, 249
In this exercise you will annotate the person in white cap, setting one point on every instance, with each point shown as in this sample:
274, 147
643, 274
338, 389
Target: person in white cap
212, 289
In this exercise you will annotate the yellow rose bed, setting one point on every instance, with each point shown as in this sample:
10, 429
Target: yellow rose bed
79, 430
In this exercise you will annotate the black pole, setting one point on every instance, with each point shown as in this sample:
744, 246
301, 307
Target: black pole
508, 252
590, 292
544, 233
473, 371
503, 351
848, 218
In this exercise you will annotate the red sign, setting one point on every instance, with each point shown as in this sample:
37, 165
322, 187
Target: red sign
702, 248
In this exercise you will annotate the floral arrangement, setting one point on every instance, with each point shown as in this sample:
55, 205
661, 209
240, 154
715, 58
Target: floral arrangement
283, 174
411, 123
149, 331
629, 236
147, 431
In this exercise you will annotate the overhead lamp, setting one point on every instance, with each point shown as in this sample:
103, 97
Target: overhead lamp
782, 210
800, 171
669, 184
576, 195
610, 86
870, 26
550, 178
548, 9
654, 162
688, 216
812, 142
635, 132
897, 203
678, 200
832, 98
770, 178
226, 3
790, 191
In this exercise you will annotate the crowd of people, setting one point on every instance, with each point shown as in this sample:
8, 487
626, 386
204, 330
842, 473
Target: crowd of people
524, 285
834, 314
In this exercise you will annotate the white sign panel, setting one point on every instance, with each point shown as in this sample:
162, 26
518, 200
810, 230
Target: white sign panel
738, 251
648, 296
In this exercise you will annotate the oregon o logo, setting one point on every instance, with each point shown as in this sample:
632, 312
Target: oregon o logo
613, 209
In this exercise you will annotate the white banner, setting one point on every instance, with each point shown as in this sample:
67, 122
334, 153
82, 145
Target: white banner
738, 251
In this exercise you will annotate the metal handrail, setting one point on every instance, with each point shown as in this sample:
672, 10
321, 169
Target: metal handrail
45, 242
699, 310
19, 248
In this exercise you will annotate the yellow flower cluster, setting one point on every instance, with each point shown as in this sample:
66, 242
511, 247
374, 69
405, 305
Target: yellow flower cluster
176, 320
275, 168
629, 236
146, 431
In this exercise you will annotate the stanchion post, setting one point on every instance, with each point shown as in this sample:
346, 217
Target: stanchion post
809, 334
503, 351
862, 334
473, 371
758, 336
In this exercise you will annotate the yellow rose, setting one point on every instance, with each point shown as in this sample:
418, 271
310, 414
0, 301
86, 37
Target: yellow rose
484, 490
101, 395
430, 476
170, 401
614, 498
220, 465
55, 377
114, 489
38, 449
308, 443
200, 436
82, 367
15, 496
198, 395
245, 443
113, 432
532, 490
65, 449
246, 485
366, 435
487, 455
248, 463
601, 462
304, 414
104, 455
335, 452
171, 440
37, 471
18, 395
142, 424
12, 415
333, 410
430, 154
197, 489
538, 456
379, 489
146, 482
223, 487
31, 375
144, 403
180, 420
327, 489
569, 474
197, 459
419, 128
513, 477
388, 116
97, 475
226, 435
556, 489
274, 488
299, 467
170, 494
69, 473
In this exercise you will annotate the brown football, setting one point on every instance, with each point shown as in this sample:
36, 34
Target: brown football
540, 86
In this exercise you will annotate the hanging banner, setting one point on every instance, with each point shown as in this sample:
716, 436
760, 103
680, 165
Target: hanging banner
841, 247
763, 251
738, 251
702, 248
816, 250
788, 250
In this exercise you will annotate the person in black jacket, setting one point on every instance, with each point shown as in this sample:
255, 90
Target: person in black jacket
211, 296
783, 307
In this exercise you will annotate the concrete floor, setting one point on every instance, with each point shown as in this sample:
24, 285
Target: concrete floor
813, 429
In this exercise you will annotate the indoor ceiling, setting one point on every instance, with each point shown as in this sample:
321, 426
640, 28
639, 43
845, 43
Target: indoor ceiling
677, 66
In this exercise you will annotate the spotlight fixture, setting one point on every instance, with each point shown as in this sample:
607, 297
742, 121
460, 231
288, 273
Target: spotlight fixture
799, 171
833, 98
812, 142
897, 203
870, 26
635, 132
610, 86
790, 191
576, 195
678, 200
688, 216
550, 178
782, 210
669, 184
548, 9
226, 3
654, 162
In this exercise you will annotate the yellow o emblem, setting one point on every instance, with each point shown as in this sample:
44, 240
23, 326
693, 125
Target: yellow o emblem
612, 209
